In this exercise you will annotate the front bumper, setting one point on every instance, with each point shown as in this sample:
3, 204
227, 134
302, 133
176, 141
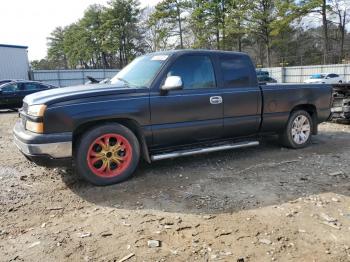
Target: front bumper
44, 149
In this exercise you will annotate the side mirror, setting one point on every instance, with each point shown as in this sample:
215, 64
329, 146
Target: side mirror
172, 83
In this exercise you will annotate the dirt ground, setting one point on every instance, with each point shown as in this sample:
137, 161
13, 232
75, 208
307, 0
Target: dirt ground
258, 204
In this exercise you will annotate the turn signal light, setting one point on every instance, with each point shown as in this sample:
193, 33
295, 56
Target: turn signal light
35, 127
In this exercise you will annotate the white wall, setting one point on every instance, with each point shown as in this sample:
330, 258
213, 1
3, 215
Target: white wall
13, 63
71, 77
297, 74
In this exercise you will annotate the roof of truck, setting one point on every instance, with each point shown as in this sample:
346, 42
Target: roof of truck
190, 51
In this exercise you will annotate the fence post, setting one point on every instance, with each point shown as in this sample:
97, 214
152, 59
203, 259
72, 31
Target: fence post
59, 78
83, 73
283, 74
31, 75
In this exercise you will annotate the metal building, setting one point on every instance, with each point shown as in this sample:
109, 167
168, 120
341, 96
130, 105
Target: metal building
14, 62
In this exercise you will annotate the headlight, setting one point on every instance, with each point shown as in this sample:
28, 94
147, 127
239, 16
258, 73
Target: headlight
34, 126
36, 110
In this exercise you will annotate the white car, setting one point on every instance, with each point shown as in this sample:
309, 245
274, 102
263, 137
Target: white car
325, 78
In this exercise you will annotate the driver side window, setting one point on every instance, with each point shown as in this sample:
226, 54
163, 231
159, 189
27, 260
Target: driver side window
195, 71
9, 88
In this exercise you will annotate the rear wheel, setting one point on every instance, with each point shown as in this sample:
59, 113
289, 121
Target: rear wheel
107, 154
298, 131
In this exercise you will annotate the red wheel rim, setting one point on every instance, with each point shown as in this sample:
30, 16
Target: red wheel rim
109, 155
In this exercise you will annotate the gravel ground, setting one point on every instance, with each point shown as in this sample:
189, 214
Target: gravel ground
257, 204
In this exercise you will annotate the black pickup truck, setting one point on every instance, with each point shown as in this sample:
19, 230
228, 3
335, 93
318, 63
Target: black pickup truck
165, 105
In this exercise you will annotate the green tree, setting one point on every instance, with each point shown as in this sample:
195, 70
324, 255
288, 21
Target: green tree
271, 31
56, 51
77, 47
268, 19
157, 34
169, 14
91, 23
261, 17
208, 22
322, 7
121, 29
341, 13
236, 23
44, 64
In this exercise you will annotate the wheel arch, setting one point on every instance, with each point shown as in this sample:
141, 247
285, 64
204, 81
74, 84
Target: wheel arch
129, 123
311, 109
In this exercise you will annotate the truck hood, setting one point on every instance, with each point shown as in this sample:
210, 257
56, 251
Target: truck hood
76, 92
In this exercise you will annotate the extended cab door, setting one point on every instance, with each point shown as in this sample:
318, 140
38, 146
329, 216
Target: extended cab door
193, 113
241, 94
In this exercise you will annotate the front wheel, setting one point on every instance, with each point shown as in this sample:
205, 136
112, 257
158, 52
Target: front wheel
107, 154
298, 131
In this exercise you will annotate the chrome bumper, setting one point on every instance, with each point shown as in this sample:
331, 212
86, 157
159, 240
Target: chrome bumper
53, 150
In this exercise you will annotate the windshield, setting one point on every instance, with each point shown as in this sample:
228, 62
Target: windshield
141, 71
317, 76
3, 82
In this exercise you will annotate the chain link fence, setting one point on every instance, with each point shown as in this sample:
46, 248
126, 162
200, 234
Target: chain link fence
298, 74
294, 74
63, 78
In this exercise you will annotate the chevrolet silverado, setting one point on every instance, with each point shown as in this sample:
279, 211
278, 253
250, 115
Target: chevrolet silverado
165, 105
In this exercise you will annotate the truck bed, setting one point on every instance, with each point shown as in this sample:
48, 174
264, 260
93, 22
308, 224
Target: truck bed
281, 99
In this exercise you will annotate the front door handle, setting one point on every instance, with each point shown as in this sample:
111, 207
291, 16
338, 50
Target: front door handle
215, 100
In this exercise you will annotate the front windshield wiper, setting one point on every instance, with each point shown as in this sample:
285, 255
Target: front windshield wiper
126, 82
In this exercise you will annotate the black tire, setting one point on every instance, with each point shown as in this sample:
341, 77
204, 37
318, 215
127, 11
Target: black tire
86, 142
287, 138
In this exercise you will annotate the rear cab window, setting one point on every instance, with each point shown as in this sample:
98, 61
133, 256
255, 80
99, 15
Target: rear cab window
237, 71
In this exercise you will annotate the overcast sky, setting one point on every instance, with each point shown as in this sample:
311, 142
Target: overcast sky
29, 23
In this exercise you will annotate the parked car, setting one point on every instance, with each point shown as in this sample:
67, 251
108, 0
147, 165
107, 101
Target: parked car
260, 72
13, 92
266, 79
165, 105
325, 78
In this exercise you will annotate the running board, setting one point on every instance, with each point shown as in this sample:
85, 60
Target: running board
203, 150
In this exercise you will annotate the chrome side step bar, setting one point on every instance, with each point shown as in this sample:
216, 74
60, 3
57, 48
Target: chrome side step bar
204, 150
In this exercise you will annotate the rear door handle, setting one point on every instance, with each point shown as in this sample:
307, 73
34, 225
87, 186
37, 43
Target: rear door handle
215, 100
